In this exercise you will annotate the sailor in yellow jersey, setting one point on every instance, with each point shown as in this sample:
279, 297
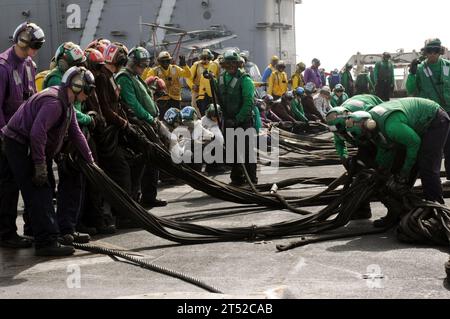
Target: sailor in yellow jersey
278, 81
171, 74
200, 86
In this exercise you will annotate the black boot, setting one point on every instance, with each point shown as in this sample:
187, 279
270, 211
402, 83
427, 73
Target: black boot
54, 250
81, 238
364, 212
69, 239
395, 211
82, 228
16, 242
389, 220
152, 204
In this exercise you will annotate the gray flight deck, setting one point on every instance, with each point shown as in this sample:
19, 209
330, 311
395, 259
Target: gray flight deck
375, 266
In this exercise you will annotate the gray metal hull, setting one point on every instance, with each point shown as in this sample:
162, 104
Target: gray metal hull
255, 22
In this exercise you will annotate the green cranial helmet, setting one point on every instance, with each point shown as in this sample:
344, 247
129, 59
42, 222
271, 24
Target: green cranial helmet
336, 118
339, 88
68, 55
359, 122
354, 105
231, 56
433, 45
139, 56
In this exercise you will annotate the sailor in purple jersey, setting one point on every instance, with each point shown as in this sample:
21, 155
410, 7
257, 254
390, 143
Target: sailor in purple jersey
33, 136
17, 84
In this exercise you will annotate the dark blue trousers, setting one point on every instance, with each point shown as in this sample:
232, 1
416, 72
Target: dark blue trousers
38, 200
447, 155
430, 156
9, 198
149, 184
71, 189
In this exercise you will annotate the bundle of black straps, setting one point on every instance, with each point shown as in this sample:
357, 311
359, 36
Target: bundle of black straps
341, 204
419, 221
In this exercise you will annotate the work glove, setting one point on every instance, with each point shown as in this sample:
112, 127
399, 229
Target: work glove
413, 66
93, 123
99, 120
40, 177
398, 184
182, 61
208, 75
130, 131
347, 163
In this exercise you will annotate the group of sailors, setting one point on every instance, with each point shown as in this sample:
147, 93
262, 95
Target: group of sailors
91, 105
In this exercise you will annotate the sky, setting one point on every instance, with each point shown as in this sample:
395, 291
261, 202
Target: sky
334, 30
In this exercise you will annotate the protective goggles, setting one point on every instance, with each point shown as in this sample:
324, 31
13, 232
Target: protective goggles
338, 127
143, 65
350, 123
433, 50
36, 45
332, 117
88, 89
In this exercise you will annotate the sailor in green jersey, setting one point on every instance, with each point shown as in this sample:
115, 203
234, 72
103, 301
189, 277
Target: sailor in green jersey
134, 91
420, 126
430, 79
338, 97
347, 80
384, 77
362, 102
297, 107
336, 119
236, 95
139, 98
68, 55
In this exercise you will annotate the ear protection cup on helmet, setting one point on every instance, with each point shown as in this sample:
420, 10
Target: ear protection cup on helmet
79, 79
77, 83
370, 125
23, 39
122, 57
63, 65
349, 123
